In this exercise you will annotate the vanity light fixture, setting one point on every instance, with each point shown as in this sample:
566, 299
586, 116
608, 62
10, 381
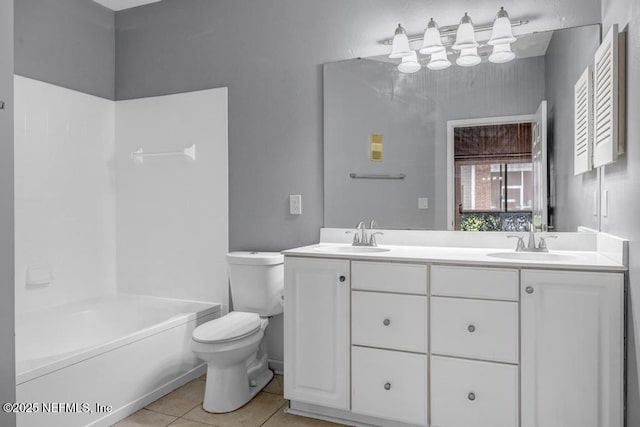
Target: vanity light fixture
410, 64
466, 35
501, 32
439, 61
432, 42
400, 47
501, 54
468, 57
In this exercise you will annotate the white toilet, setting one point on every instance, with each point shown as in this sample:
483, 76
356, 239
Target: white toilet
233, 345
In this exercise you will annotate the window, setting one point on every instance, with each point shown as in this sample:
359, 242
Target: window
493, 177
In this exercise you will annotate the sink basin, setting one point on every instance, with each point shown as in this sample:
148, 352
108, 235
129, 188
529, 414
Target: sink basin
532, 256
352, 249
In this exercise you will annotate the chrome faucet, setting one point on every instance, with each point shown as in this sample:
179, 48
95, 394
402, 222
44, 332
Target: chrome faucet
531, 245
360, 236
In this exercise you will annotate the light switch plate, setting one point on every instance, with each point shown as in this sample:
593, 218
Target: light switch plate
295, 204
605, 203
423, 203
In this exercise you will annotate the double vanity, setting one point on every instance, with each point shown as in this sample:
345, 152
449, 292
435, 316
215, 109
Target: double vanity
456, 329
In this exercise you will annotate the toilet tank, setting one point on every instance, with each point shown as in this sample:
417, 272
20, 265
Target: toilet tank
257, 281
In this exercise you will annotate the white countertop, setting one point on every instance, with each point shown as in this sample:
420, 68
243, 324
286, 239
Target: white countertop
567, 260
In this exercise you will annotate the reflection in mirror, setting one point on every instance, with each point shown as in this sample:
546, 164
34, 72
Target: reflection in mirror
380, 123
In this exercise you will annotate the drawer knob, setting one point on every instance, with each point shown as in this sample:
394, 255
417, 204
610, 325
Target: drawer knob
387, 386
529, 289
471, 396
471, 328
386, 322
342, 278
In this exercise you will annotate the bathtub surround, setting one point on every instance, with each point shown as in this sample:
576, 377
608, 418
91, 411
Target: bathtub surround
171, 239
64, 194
172, 212
7, 288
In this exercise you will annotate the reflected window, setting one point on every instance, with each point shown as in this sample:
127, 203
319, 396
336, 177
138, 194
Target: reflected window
493, 177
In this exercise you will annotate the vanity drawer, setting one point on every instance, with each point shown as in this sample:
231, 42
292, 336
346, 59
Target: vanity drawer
393, 321
470, 282
476, 329
468, 393
389, 384
389, 277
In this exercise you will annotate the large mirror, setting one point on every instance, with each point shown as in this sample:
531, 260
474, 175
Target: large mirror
488, 147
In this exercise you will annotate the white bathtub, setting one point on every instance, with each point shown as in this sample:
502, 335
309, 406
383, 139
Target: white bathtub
124, 351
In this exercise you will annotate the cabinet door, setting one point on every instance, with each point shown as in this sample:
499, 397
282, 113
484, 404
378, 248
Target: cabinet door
316, 331
571, 355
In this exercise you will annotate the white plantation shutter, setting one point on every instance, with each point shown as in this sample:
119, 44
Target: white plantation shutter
607, 143
583, 105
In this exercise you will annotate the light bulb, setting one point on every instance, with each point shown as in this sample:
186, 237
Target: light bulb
432, 42
410, 64
501, 53
400, 46
501, 32
466, 35
439, 61
468, 57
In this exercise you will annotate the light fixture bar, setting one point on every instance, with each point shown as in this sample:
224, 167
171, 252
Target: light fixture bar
450, 30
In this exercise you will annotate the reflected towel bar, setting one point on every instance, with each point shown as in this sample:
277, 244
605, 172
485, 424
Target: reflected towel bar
376, 176
139, 154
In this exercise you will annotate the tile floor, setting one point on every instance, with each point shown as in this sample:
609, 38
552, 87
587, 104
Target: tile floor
183, 408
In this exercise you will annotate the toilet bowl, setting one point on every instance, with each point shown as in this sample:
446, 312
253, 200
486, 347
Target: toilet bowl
233, 346
236, 368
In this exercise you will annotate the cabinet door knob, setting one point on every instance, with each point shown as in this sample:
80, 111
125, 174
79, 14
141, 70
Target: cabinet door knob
529, 289
471, 396
471, 328
342, 278
387, 386
386, 322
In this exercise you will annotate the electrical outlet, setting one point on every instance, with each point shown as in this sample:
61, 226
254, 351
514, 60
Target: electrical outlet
605, 203
295, 204
423, 203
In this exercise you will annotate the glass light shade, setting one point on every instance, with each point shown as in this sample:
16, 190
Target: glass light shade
466, 35
432, 42
501, 32
400, 46
468, 57
501, 53
439, 61
410, 64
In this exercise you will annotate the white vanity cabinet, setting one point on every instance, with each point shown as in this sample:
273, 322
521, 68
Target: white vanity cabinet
316, 327
389, 323
474, 346
572, 349
401, 343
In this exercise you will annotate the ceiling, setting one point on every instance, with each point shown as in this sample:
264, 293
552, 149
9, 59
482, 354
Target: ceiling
124, 4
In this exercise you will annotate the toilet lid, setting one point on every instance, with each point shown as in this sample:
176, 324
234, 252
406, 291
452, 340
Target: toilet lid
232, 326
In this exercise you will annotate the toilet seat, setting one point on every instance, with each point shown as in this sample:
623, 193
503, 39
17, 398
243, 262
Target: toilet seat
231, 327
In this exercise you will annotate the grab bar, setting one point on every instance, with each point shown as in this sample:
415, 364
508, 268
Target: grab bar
376, 176
139, 154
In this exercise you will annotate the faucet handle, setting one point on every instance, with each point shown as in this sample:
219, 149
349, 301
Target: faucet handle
543, 242
373, 224
520, 244
372, 239
356, 238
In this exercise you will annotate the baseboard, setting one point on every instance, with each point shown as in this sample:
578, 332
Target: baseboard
276, 366
136, 405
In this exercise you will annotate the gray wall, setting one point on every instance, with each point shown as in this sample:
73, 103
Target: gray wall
411, 111
567, 56
7, 341
269, 53
70, 43
622, 181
